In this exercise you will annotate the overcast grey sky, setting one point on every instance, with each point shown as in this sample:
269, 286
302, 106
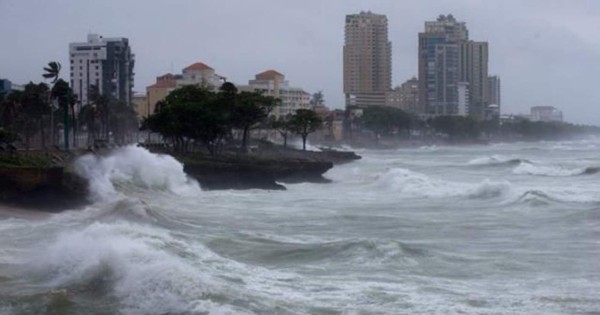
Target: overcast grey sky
547, 52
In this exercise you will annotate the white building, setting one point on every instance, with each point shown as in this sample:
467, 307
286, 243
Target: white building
463, 98
273, 83
200, 74
546, 113
104, 62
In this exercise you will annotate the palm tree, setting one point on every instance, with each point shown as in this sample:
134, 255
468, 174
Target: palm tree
63, 93
87, 117
102, 109
52, 72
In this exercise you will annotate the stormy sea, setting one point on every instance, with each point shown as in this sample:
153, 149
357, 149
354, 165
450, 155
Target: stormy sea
497, 229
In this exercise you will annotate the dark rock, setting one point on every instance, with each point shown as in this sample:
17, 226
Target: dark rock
247, 171
42, 188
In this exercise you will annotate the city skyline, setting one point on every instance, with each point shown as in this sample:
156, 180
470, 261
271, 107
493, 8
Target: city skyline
523, 41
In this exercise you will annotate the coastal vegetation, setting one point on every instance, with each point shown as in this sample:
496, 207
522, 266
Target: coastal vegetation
35, 117
303, 123
193, 115
393, 123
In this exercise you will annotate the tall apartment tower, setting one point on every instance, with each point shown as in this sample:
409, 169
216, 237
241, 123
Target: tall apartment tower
367, 59
474, 70
450, 68
494, 90
104, 62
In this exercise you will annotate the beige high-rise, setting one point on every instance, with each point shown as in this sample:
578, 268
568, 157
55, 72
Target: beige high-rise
367, 59
474, 69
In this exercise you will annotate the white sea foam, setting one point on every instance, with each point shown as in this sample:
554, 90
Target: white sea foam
527, 168
420, 185
136, 166
493, 160
386, 236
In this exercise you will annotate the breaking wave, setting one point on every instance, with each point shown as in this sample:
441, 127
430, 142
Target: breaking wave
134, 166
496, 160
145, 268
420, 185
529, 168
364, 251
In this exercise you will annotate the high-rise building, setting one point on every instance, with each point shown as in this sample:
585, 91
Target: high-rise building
405, 96
103, 62
5, 88
473, 65
463, 98
451, 67
494, 90
367, 59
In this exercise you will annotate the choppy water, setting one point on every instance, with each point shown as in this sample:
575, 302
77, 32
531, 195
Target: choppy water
499, 229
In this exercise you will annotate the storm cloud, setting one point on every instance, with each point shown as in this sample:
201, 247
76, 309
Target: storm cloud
546, 52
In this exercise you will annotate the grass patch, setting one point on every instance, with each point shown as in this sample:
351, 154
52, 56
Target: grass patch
25, 160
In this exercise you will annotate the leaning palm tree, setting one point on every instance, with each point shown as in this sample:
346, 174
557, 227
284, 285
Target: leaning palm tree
52, 72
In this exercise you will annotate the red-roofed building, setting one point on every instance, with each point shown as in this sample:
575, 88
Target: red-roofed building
157, 92
198, 66
200, 74
195, 74
273, 83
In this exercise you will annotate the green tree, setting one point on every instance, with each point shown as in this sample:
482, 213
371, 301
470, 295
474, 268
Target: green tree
456, 127
52, 72
8, 137
281, 125
9, 110
34, 104
88, 117
122, 119
250, 108
384, 120
191, 113
66, 100
303, 123
317, 100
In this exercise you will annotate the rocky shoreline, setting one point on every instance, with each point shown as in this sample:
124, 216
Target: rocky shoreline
45, 180
264, 169
52, 186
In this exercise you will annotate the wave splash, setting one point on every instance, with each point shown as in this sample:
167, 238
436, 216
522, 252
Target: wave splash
135, 166
496, 160
529, 168
420, 185
413, 184
143, 267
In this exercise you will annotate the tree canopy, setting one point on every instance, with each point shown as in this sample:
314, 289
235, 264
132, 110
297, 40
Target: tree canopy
385, 120
193, 113
303, 123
